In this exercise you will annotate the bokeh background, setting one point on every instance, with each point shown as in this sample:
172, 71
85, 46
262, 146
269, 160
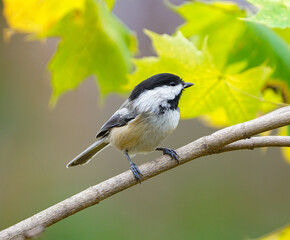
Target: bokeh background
238, 195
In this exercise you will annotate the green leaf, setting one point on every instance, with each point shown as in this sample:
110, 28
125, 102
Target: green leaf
238, 95
259, 44
273, 13
93, 42
217, 21
233, 42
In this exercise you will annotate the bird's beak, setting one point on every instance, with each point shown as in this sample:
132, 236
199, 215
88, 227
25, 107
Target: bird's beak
187, 84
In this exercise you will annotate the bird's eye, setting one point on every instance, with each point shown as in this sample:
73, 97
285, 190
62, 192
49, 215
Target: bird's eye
172, 84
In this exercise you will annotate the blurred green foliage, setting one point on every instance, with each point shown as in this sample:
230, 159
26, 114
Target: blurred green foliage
231, 40
219, 22
273, 13
93, 42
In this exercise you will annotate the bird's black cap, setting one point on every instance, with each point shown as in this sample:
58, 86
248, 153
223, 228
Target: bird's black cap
157, 80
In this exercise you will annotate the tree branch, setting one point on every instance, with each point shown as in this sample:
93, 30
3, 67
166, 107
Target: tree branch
258, 142
227, 139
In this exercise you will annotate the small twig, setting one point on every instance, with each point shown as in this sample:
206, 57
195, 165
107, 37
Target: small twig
258, 142
227, 139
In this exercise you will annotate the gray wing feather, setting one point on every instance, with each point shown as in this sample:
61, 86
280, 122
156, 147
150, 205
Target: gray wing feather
119, 119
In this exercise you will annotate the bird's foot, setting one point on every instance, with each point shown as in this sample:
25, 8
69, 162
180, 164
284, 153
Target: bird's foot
135, 170
170, 152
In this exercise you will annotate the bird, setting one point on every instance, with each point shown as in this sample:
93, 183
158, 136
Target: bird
150, 114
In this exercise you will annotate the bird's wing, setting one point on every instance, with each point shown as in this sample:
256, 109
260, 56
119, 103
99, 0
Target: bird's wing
119, 119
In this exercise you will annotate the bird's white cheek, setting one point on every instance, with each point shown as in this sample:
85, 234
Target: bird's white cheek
177, 90
151, 99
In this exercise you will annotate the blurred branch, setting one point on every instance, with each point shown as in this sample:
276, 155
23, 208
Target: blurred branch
227, 139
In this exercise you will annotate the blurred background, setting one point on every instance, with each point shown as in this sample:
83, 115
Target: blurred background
238, 195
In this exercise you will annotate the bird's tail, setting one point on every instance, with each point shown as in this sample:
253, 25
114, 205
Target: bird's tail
87, 154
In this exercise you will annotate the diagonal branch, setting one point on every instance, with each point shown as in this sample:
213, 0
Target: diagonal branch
227, 139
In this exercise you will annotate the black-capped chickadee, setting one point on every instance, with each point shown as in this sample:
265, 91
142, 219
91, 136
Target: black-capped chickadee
149, 115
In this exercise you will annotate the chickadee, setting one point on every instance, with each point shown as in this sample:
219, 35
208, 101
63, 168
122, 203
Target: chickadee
149, 115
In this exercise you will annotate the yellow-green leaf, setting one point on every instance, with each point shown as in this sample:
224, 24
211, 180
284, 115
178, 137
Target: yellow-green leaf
281, 234
284, 33
236, 97
239, 95
110, 3
37, 16
218, 21
231, 40
93, 42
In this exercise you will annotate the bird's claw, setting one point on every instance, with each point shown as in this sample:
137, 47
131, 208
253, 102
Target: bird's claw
170, 152
135, 170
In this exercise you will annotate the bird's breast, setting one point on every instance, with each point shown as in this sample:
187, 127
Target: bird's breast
165, 122
144, 133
